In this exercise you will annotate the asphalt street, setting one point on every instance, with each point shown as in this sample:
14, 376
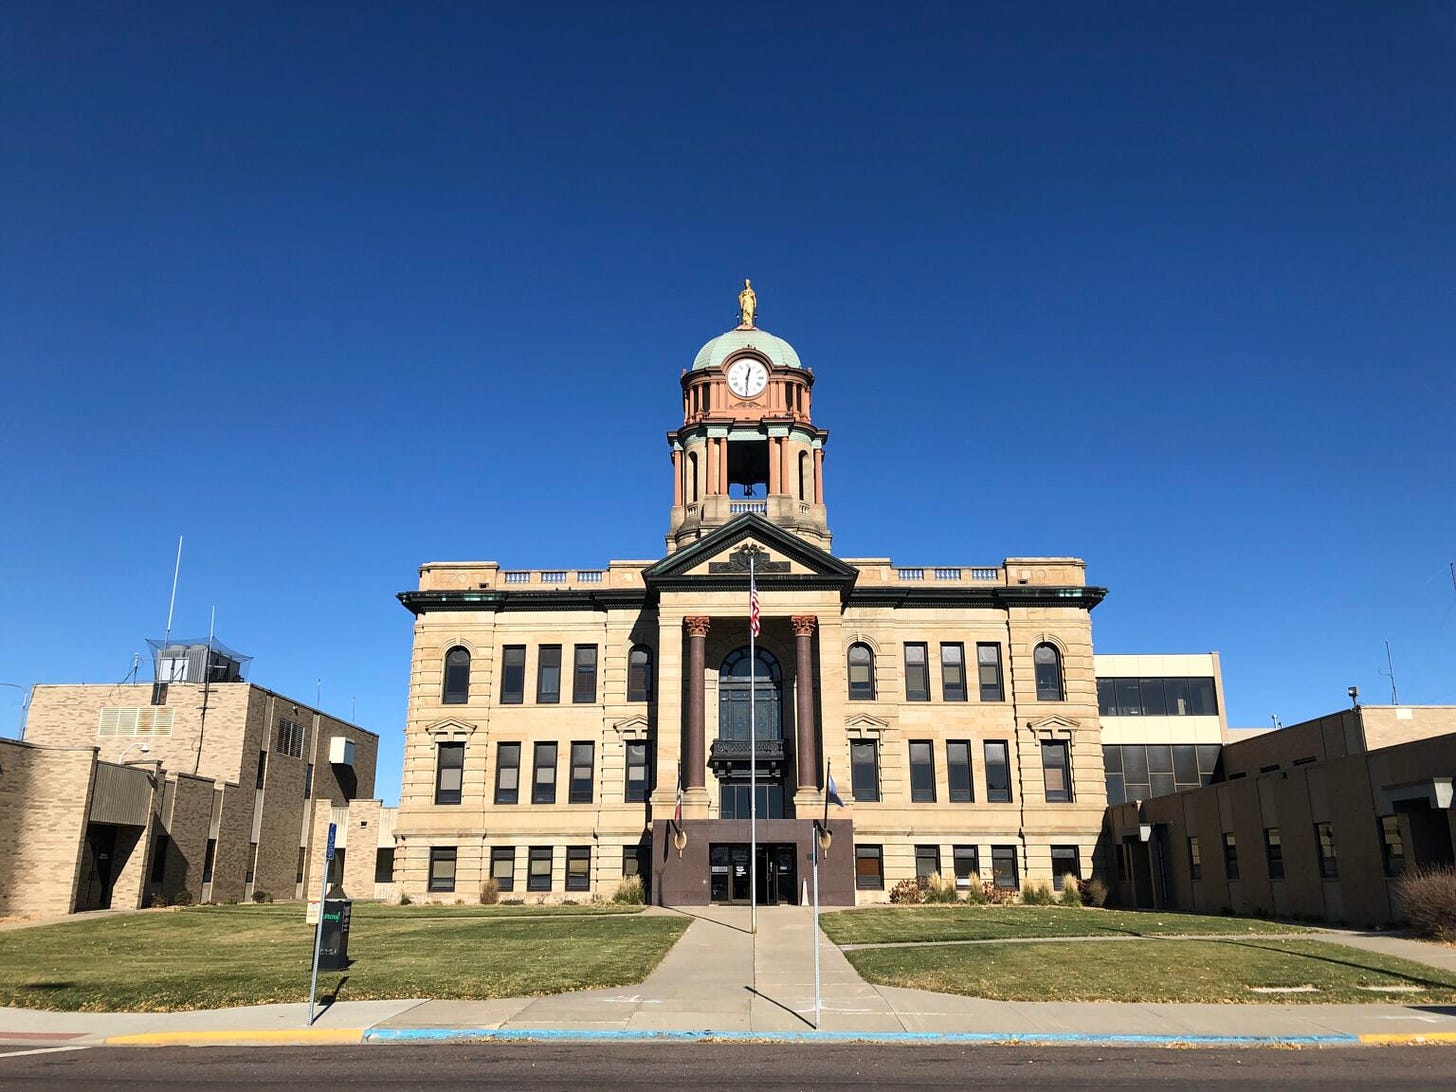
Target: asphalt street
718, 1065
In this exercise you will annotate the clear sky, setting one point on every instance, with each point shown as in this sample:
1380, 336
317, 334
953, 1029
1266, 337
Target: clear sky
335, 291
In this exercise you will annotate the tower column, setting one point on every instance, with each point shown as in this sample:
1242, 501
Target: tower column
805, 737
818, 475
786, 468
775, 479
723, 467
677, 478
694, 760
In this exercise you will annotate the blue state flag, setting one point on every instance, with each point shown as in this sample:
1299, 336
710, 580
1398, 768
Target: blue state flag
832, 794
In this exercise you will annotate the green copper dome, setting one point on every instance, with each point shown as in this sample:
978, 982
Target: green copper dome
778, 351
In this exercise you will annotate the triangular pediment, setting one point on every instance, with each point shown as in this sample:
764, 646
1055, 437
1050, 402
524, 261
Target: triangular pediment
451, 726
722, 558
634, 727
863, 722
1054, 723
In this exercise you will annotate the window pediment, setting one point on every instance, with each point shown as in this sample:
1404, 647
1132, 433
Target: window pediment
862, 725
1053, 726
451, 726
634, 727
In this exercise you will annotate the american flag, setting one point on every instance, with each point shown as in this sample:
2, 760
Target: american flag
753, 606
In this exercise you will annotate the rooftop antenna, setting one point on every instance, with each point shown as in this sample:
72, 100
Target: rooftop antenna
1277, 722
206, 680
131, 672
1390, 673
176, 571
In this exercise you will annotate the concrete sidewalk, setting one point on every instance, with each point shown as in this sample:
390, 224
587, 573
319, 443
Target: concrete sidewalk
720, 981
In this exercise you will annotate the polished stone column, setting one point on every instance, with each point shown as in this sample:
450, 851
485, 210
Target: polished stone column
804, 688
695, 762
677, 478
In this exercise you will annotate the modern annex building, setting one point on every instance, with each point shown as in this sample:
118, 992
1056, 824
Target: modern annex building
552, 712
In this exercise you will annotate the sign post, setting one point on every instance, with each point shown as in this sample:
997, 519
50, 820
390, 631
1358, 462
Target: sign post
318, 930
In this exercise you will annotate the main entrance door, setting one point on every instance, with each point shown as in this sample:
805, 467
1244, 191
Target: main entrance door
729, 880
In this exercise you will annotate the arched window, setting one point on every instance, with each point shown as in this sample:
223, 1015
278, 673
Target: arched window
735, 692
639, 673
1048, 663
692, 477
457, 676
806, 478
861, 672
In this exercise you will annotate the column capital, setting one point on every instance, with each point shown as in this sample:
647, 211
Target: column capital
804, 624
697, 625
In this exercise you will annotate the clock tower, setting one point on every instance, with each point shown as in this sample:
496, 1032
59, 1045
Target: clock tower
747, 441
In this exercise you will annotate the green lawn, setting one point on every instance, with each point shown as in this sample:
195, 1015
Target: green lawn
1155, 971
928, 923
208, 957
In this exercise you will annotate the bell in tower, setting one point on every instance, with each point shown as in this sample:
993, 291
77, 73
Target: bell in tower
747, 441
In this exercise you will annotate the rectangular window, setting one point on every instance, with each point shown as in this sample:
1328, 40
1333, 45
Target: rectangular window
864, 758
927, 861
262, 767
308, 781
1154, 696
442, 868
584, 675
1003, 867
1195, 860
1274, 853
988, 671
917, 673
869, 872
508, 773
967, 866
290, 738
922, 772
1056, 773
1107, 697
513, 674
159, 858
953, 672
548, 675
1065, 863
1230, 857
958, 771
578, 868
449, 772
538, 876
1324, 836
637, 771
302, 864
503, 867
543, 783
998, 772
383, 865
631, 863
253, 862
1392, 845
208, 857
639, 675
582, 759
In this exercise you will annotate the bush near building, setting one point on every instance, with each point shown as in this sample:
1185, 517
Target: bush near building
1428, 898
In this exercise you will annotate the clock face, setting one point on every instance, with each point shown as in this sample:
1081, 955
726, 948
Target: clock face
747, 378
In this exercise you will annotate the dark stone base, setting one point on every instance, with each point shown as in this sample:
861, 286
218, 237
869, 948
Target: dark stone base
684, 881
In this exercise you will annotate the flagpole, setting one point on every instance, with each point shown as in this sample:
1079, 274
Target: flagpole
815, 851
752, 765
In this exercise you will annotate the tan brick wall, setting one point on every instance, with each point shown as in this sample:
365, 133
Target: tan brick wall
187, 821
44, 795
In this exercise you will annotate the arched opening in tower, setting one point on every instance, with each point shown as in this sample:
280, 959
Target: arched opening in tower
748, 468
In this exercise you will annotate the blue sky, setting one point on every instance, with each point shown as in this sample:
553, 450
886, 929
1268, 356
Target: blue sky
335, 291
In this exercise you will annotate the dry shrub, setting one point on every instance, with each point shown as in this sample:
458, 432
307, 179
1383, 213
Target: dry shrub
630, 891
996, 895
490, 892
907, 892
940, 888
1037, 894
1427, 896
1093, 892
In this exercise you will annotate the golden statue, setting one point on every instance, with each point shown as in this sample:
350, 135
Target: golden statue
747, 304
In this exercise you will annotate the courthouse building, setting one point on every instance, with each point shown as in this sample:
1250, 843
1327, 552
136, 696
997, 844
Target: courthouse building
553, 713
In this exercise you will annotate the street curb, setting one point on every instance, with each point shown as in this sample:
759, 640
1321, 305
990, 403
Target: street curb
258, 1037
889, 1038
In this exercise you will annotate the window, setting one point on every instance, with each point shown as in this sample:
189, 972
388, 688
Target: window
967, 866
262, 767
864, 764
579, 791
578, 868
308, 781
1230, 857
861, 673
513, 674
953, 672
958, 771
290, 738
1274, 853
503, 867
548, 675
1157, 697
253, 862
159, 858
302, 864
538, 874
917, 673
927, 862
988, 670
922, 772
383, 865
1056, 774
631, 862
442, 868
543, 783
639, 673
998, 772
1195, 860
208, 857
457, 676
1003, 867
507, 773
1065, 864
1324, 836
449, 771
1048, 663
869, 872
584, 675
638, 785
1392, 845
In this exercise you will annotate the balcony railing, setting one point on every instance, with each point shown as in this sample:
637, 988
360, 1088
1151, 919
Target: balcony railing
734, 753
